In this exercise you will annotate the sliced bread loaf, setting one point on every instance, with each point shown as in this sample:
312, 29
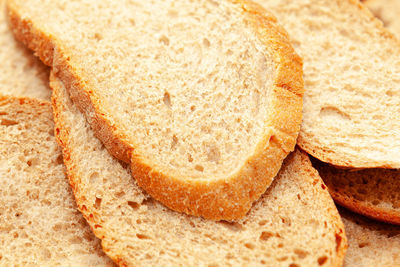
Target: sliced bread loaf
388, 12
370, 243
21, 73
295, 223
352, 82
39, 221
202, 98
372, 192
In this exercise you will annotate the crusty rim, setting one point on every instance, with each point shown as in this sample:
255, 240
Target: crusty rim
329, 155
229, 198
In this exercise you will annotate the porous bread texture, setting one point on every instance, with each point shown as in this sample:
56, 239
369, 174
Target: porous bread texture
39, 221
388, 12
351, 79
371, 243
372, 192
21, 74
203, 98
294, 222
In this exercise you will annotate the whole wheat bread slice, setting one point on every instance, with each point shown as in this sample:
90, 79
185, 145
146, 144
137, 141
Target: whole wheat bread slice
372, 192
39, 221
21, 74
351, 79
294, 222
202, 98
370, 243
388, 12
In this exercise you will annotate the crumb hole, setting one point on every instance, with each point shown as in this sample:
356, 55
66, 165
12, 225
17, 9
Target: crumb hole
192, 108
301, 253
142, 236
132, 22
7, 122
265, 236
364, 244
294, 265
97, 203
167, 99
94, 177
174, 142
98, 36
59, 160
164, 40
322, 260
249, 246
190, 159
262, 222
206, 42
3, 113
134, 205
199, 168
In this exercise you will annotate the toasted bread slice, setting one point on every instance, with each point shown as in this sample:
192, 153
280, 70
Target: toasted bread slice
388, 12
352, 82
371, 243
39, 221
21, 74
202, 98
295, 221
372, 192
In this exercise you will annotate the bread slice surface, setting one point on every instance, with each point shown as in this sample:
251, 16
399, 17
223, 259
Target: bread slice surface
387, 11
295, 221
39, 221
351, 77
371, 243
21, 74
371, 192
203, 98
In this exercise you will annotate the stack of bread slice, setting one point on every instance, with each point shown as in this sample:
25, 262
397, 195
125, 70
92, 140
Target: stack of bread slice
177, 122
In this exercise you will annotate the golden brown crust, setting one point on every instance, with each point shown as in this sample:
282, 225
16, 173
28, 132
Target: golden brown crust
229, 198
328, 154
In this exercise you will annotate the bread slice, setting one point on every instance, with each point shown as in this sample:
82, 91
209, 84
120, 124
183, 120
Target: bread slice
388, 12
202, 98
370, 243
372, 192
21, 73
351, 79
39, 222
295, 221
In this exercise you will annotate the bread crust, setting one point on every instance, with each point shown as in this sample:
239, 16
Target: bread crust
224, 199
328, 154
112, 245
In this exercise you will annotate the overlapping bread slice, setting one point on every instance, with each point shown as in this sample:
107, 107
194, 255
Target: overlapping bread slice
388, 12
294, 223
202, 98
39, 221
372, 192
351, 78
371, 243
21, 73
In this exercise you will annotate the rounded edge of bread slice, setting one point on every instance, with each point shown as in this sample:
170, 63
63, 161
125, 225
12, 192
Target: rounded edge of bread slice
294, 222
229, 198
371, 192
39, 220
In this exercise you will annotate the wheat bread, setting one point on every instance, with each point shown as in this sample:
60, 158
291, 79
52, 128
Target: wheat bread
372, 192
371, 243
388, 12
202, 98
351, 79
294, 222
21, 73
39, 221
